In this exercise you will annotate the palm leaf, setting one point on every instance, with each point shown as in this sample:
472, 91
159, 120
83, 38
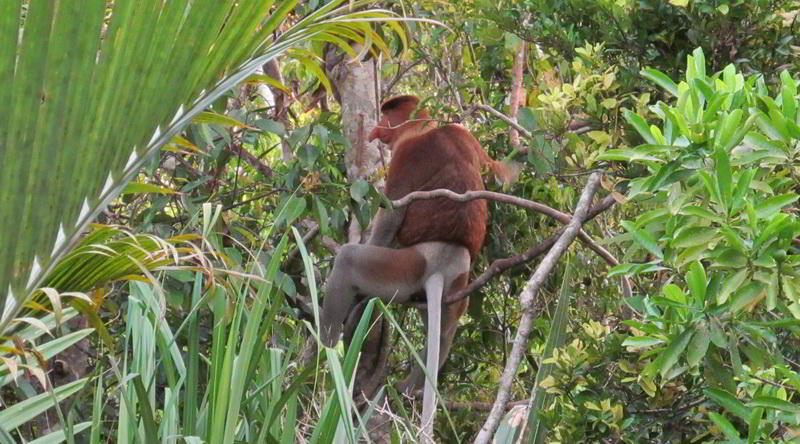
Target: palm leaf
91, 88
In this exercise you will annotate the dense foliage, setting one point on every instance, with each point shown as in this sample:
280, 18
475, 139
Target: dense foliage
201, 306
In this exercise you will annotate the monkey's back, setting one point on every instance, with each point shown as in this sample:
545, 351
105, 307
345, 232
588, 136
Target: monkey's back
446, 157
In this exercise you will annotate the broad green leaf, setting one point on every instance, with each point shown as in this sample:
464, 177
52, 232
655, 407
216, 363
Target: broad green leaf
359, 189
641, 341
699, 62
714, 106
698, 345
730, 257
747, 296
753, 425
725, 426
644, 239
660, 79
669, 357
771, 402
768, 127
788, 93
722, 167
640, 125
771, 206
696, 278
741, 188
694, 236
627, 155
702, 213
729, 403
730, 124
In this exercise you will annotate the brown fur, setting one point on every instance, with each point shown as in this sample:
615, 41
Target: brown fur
426, 158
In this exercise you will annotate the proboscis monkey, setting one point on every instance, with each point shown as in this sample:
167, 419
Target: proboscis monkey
439, 237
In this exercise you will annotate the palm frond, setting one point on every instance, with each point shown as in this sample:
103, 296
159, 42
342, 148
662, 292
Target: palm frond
91, 88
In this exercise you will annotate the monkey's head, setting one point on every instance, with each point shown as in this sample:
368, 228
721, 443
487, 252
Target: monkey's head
395, 115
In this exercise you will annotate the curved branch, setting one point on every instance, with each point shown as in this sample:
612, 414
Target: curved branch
500, 265
527, 300
524, 203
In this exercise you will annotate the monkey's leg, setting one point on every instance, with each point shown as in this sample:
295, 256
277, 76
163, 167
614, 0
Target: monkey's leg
385, 273
434, 286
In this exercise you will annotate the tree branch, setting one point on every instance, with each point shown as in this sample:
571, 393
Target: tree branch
516, 94
530, 254
527, 300
502, 117
501, 265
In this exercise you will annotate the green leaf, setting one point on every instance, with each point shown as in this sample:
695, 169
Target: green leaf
22, 412
217, 119
788, 93
627, 155
771, 206
693, 236
641, 127
696, 278
725, 426
527, 118
641, 341
699, 62
660, 79
669, 357
722, 167
58, 436
753, 425
730, 257
699, 345
556, 338
644, 239
729, 403
293, 209
747, 295
359, 189
142, 188
701, 212
771, 402
741, 189
714, 105
730, 124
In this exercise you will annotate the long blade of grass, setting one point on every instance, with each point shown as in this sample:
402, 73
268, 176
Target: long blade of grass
536, 431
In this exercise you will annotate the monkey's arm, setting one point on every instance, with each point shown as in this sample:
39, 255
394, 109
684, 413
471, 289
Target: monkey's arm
385, 226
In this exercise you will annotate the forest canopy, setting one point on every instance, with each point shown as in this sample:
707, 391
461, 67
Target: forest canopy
179, 179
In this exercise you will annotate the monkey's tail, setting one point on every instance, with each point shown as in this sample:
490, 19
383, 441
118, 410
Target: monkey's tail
506, 171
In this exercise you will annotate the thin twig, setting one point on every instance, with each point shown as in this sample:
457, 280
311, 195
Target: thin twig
502, 117
527, 301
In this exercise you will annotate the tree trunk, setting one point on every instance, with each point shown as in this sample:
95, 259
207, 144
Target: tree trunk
355, 88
